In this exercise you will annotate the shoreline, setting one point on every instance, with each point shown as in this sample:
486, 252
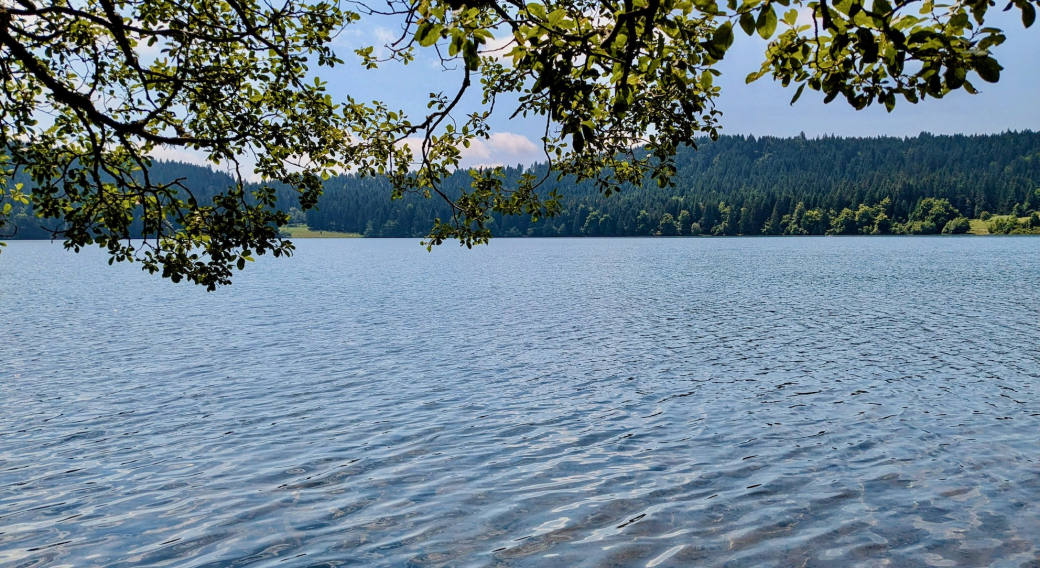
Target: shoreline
979, 228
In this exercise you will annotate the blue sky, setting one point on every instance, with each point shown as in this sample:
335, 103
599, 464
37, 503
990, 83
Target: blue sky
761, 108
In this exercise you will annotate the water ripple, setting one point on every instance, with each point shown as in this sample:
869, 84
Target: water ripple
596, 402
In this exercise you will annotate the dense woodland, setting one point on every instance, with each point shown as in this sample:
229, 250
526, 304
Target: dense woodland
736, 186
751, 186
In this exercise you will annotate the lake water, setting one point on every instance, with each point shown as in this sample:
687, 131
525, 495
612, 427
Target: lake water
600, 402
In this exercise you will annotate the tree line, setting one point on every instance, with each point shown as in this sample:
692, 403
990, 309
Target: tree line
738, 185
746, 185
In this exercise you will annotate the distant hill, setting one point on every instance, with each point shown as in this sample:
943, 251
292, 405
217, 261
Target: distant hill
736, 185
744, 185
203, 181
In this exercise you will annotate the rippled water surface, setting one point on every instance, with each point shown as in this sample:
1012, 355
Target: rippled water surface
598, 402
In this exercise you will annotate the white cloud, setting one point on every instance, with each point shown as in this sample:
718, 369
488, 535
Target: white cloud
498, 47
355, 37
512, 143
385, 35
501, 148
180, 155
197, 158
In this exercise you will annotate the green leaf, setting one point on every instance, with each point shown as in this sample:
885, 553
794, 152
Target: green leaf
798, 93
723, 36
954, 77
428, 34
470, 56
766, 23
868, 46
720, 41
988, 69
747, 23
881, 7
457, 43
1028, 14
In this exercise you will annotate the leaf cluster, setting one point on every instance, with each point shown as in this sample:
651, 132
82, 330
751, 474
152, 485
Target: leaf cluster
94, 89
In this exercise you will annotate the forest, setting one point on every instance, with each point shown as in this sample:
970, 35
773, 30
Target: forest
753, 186
738, 185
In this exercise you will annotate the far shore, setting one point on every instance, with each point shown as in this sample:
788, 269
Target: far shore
978, 227
304, 232
981, 227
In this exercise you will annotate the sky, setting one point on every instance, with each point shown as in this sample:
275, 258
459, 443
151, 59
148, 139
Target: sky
761, 108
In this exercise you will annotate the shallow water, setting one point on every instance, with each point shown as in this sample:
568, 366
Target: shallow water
596, 402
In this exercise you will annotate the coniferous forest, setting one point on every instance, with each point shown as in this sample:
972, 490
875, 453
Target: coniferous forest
752, 186
735, 186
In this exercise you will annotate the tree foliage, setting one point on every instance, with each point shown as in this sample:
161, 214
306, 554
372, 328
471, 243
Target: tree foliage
745, 185
91, 89
736, 185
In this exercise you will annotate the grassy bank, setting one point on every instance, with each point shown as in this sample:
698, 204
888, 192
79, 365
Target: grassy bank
981, 227
304, 232
978, 227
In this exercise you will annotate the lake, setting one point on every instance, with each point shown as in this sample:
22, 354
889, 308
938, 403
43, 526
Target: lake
734, 402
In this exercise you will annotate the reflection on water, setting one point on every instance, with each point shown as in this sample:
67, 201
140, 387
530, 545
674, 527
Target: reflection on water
687, 402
